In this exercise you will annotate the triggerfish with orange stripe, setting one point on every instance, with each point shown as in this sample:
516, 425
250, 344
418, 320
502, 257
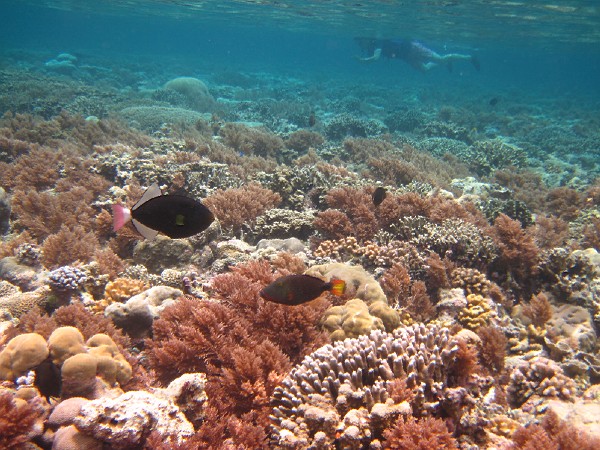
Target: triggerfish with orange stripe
298, 289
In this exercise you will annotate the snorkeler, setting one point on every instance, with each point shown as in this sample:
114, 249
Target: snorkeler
413, 52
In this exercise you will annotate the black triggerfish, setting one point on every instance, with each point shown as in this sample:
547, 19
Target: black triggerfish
298, 289
379, 196
175, 216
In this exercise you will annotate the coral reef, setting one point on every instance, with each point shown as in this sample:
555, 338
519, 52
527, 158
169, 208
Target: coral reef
471, 312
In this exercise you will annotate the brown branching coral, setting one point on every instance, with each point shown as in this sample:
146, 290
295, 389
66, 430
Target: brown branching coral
518, 253
44, 213
243, 343
16, 421
251, 141
37, 169
333, 224
553, 434
67, 246
538, 310
418, 304
427, 433
565, 202
396, 284
492, 348
241, 206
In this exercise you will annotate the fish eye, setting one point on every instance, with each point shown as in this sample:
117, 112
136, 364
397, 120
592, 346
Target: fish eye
180, 219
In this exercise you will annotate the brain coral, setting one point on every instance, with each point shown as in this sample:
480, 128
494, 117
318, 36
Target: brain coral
341, 388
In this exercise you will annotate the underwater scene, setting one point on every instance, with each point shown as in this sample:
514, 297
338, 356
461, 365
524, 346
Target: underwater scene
279, 224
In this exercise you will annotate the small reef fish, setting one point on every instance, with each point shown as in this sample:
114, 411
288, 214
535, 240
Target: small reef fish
48, 378
298, 289
494, 101
175, 216
379, 196
312, 119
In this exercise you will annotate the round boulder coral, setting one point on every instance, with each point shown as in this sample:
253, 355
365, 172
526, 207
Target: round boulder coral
65, 342
194, 91
22, 353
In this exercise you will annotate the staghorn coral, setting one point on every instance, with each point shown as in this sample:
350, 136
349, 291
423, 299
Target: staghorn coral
344, 385
241, 206
278, 223
458, 241
539, 377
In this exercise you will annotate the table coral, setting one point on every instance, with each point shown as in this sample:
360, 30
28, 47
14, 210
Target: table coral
349, 378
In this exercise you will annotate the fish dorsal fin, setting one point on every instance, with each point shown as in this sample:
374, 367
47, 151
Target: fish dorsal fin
152, 192
148, 233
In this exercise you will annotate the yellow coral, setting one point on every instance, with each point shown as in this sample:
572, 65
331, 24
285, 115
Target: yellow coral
503, 425
477, 313
471, 280
120, 290
350, 320
112, 365
388, 315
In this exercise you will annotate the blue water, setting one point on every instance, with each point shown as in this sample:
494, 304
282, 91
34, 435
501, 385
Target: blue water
551, 47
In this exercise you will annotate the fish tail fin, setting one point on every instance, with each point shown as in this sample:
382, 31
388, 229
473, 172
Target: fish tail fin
121, 216
338, 287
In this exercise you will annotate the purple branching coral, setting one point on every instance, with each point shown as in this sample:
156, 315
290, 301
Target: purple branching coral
341, 390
